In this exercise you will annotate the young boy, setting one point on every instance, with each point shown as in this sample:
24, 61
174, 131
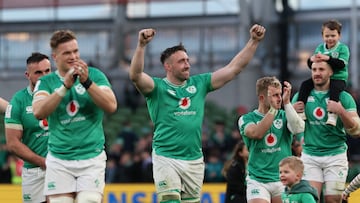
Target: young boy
296, 190
337, 55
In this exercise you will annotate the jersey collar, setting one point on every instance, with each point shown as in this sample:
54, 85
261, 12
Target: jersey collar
173, 85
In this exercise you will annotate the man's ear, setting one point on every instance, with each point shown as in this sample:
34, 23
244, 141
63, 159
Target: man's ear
167, 66
261, 97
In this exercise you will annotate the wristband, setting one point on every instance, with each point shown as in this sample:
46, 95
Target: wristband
87, 83
61, 91
272, 111
65, 86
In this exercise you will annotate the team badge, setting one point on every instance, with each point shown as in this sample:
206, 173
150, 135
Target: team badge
80, 89
319, 113
335, 55
270, 140
191, 89
278, 123
184, 103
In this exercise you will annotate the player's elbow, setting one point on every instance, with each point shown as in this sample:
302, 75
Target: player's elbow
255, 135
38, 114
11, 146
112, 107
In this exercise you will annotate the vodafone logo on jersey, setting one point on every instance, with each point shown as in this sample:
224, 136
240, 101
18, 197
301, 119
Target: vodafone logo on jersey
72, 107
319, 113
270, 140
44, 124
184, 103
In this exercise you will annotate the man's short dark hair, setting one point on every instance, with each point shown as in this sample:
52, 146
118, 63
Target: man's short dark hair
170, 51
36, 57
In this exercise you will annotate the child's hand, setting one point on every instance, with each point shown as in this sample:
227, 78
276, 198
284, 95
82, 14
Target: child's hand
299, 106
320, 57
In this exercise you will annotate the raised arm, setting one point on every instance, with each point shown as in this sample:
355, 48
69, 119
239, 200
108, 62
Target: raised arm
141, 80
294, 123
239, 62
258, 130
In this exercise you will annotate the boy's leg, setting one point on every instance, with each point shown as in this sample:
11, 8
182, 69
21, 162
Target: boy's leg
304, 93
336, 87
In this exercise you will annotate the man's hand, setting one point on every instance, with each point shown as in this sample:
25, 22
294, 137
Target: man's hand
257, 32
145, 36
299, 106
335, 107
287, 92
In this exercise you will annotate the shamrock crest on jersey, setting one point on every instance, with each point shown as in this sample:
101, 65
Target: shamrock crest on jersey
278, 123
80, 89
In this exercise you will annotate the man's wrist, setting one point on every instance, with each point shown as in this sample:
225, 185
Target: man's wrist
65, 86
61, 91
272, 111
87, 83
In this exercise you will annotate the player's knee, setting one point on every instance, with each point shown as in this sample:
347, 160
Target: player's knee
169, 197
334, 188
61, 199
195, 200
88, 197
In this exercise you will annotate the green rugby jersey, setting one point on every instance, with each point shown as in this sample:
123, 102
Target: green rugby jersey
266, 153
321, 139
339, 51
177, 113
19, 115
75, 126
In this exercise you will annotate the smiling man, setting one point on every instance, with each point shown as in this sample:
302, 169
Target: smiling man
27, 136
324, 150
74, 98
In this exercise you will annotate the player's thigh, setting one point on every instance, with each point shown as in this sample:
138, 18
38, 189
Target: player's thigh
192, 178
166, 178
312, 168
91, 174
33, 185
335, 174
266, 191
58, 179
